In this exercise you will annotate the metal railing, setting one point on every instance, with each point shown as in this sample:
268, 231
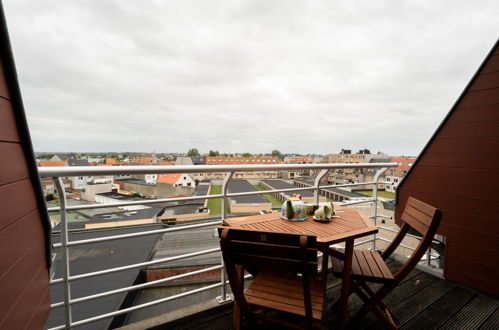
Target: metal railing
57, 173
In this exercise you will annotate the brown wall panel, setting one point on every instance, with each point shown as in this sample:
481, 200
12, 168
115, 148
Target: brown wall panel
489, 96
40, 313
473, 252
468, 235
458, 172
454, 273
18, 316
24, 223
8, 129
16, 200
485, 81
461, 160
469, 265
470, 145
492, 65
470, 130
4, 90
465, 205
19, 237
476, 113
481, 177
456, 190
21, 276
13, 165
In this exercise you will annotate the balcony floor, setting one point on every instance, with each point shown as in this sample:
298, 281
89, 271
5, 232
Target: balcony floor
421, 301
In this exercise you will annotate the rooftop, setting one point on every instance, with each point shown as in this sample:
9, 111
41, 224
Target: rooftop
238, 186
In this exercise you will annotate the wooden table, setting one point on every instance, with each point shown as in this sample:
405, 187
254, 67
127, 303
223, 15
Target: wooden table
350, 225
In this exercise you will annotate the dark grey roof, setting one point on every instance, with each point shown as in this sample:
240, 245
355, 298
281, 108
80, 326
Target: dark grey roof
201, 189
98, 256
62, 156
73, 161
338, 191
125, 215
238, 186
198, 160
187, 241
280, 184
188, 208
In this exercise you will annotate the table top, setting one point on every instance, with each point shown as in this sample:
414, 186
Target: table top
350, 224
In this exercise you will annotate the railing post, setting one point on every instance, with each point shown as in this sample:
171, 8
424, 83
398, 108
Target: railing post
225, 186
224, 297
65, 252
375, 201
316, 185
428, 256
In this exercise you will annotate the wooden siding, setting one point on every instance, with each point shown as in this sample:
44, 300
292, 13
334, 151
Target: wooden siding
24, 275
458, 172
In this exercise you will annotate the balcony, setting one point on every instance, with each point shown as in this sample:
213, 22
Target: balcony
151, 299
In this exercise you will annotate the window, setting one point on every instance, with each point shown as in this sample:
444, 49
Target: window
188, 184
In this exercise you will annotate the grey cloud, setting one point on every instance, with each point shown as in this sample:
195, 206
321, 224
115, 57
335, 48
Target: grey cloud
299, 76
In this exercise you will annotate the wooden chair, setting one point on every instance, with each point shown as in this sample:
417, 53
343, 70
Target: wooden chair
284, 267
370, 266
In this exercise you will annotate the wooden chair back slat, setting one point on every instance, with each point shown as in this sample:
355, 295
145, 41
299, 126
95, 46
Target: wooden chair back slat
278, 252
425, 219
418, 215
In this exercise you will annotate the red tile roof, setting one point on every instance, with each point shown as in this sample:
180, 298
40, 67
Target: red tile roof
403, 165
169, 178
49, 163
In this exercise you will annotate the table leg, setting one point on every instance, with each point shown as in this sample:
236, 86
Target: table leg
325, 259
345, 288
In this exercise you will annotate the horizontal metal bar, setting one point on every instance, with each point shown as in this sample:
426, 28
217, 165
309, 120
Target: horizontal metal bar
380, 216
141, 202
402, 245
191, 198
356, 202
137, 265
136, 287
364, 242
408, 235
149, 304
143, 233
45, 172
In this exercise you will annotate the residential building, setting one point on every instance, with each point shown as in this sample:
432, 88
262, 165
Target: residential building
177, 179
244, 175
342, 176
395, 175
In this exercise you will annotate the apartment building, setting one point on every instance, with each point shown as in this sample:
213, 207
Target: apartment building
395, 175
244, 175
342, 176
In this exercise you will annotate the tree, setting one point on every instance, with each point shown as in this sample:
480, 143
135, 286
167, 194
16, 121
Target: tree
193, 152
214, 153
49, 197
247, 154
276, 153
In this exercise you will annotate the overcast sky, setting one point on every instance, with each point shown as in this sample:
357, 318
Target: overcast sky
244, 76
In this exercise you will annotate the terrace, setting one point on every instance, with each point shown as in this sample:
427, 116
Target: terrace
409, 297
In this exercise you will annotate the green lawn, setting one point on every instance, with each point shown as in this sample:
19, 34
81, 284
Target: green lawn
381, 193
275, 202
215, 205
71, 216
